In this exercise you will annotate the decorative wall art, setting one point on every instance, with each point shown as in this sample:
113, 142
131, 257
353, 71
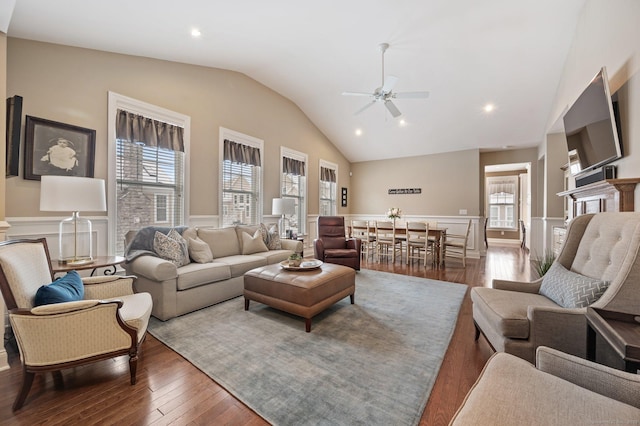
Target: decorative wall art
53, 148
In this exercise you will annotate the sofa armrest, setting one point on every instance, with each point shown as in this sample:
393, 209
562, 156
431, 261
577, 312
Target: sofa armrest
152, 267
293, 245
318, 249
523, 287
607, 381
354, 243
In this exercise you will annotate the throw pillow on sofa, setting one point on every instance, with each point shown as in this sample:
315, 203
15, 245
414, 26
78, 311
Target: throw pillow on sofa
274, 238
171, 247
199, 251
253, 244
569, 289
66, 289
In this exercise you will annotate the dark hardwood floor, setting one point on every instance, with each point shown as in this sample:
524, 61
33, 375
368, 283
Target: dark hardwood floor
172, 391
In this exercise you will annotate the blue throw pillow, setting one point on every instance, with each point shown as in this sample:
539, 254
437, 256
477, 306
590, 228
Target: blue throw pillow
65, 289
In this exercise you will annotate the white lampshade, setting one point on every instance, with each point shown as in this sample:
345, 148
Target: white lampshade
283, 206
72, 194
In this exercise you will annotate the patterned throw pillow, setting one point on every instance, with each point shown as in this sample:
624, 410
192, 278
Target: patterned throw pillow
253, 244
171, 247
274, 238
569, 289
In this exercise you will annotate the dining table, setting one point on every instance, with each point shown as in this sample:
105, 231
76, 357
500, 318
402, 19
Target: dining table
439, 236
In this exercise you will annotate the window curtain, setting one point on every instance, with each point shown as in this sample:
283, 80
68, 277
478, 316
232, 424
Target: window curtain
327, 175
137, 128
241, 153
502, 188
291, 166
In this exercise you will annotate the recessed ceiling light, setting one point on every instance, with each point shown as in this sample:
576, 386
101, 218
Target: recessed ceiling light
402, 123
195, 32
488, 107
358, 132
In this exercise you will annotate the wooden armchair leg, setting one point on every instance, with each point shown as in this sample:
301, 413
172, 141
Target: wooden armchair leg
57, 379
133, 366
27, 380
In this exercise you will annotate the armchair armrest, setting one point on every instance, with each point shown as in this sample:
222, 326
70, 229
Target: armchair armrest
607, 381
523, 287
49, 338
354, 243
107, 287
559, 328
318, 249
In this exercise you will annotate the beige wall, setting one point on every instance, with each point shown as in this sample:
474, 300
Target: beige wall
70, 85
449, 182
608, 35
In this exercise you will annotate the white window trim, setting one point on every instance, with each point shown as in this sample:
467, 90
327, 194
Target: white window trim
247, 140
333, 166
117, 101
300, 156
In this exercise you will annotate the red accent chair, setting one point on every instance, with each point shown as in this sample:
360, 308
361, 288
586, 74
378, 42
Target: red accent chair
332, 246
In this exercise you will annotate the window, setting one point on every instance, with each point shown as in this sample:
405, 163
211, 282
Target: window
328, 188
293, 184
241, 178
502, 199
148, 152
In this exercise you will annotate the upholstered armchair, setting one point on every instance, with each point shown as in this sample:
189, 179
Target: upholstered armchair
333, 247
110, 320
562, 390
600, 249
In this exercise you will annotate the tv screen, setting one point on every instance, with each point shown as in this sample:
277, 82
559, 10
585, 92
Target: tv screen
590, 128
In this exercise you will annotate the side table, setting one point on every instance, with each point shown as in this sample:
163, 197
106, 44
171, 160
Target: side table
621, 331
109, 262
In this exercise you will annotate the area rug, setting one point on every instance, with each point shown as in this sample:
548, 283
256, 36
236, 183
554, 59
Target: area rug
372, 363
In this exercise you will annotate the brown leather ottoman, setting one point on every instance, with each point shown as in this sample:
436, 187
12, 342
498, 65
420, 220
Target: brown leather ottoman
302, 293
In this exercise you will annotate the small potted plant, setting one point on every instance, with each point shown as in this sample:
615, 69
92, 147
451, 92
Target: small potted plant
295, 260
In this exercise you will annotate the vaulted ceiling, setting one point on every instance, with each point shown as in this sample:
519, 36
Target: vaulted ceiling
466, 53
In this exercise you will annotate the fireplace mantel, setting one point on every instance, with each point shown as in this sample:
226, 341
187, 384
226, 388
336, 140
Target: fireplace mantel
609, 195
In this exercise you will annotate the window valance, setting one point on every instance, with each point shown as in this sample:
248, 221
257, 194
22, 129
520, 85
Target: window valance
293, 166
137, 128
240, 153
327, 175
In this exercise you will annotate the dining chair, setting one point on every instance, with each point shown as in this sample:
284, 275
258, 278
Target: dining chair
455, 245
418, 243
387, 243
360, 229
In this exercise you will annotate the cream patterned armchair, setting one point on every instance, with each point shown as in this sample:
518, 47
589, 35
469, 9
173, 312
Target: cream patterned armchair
111, 320
517, 317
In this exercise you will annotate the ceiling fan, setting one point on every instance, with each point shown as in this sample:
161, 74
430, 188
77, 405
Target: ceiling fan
385, 93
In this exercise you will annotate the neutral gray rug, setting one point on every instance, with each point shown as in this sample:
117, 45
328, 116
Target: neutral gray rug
372, 363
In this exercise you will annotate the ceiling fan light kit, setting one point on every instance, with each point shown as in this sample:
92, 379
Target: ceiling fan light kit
384, 93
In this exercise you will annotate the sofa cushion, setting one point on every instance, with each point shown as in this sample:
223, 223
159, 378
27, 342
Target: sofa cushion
241, 229
223, 241
199, 251
275, 256
507, 309
242, 263
569, 289
253, 243
171, 247
197, 274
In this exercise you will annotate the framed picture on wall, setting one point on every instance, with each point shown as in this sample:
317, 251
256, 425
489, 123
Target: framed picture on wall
344, 197
53, 148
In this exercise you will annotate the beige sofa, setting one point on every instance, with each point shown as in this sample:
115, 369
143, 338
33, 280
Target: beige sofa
180, 290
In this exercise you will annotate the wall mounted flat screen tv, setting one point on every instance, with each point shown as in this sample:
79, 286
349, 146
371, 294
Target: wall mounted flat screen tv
591, 128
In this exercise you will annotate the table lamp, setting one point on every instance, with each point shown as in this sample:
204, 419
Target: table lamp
74, 194
283, 207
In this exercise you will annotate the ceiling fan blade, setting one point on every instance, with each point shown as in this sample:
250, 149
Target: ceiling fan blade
389, 83
356, 94
411, 95
395, 112
364, 108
